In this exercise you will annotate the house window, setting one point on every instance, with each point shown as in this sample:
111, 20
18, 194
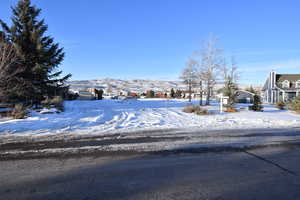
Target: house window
286, 84
298, 84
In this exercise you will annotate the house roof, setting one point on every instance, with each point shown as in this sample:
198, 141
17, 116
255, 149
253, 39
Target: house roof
289, 77
292, 78
85, 93
265, 87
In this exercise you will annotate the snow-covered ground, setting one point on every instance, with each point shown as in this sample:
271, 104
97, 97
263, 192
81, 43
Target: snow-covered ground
110, 116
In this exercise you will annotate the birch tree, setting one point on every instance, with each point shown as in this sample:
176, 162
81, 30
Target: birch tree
231, 72
190, 76
211, 60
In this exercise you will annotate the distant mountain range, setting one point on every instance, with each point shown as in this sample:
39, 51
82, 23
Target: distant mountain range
135, 85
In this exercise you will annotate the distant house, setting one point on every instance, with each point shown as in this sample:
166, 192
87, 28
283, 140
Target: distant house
132, 94
281, 87
161, 95
244, 97
85, 95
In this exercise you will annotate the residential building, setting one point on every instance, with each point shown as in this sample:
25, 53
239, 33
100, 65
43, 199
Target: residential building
281, 87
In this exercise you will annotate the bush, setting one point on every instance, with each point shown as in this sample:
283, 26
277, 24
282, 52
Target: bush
19, 112
232, 110
201, 111
294, 105
189, 109
195, 109
256, 104
56, 102
280, 105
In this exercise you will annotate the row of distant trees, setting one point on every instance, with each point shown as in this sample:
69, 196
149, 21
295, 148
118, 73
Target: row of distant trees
207, 67
29, 59
173, 94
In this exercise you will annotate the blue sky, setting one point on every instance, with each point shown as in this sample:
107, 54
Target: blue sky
152, 39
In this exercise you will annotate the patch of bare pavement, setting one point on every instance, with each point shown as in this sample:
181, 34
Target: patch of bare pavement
164, 141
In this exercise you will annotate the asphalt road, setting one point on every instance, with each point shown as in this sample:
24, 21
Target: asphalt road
270, 173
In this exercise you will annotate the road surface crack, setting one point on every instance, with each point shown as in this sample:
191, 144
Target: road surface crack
271, 162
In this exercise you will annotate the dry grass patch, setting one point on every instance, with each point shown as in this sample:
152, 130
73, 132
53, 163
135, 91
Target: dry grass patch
56, 102
231, 110
195, 109
281, 105
19, 112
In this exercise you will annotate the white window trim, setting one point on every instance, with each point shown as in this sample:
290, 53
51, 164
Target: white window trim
285, 84
298, 84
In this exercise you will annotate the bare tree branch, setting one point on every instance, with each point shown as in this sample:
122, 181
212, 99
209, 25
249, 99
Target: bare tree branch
190, 75
211, 62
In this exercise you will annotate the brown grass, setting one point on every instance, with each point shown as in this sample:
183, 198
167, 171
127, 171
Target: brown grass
56, 101
231, 110
19, 112
195, 109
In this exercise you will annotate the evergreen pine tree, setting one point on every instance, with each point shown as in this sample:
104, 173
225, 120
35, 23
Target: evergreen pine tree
230, 90
38, 54
178, 93
172, 93
150, 94
100, 97
256, 103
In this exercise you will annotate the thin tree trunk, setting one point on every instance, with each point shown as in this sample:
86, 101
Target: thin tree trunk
201, 93
208, 95
190, 92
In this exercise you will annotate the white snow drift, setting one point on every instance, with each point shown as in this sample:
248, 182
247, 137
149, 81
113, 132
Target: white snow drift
107, 116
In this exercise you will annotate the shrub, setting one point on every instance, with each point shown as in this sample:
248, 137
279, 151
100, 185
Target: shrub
189, 109
294, 105
256, 104
280, 105
201, 111
195, 109
230, 90
232, 110
19, 112
56, 102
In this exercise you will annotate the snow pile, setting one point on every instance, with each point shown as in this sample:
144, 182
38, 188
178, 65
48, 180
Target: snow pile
49, 111
107, 116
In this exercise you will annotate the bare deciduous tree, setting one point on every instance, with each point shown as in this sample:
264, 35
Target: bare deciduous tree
190, 75
211, 60
8, 57
231, 72
11, 85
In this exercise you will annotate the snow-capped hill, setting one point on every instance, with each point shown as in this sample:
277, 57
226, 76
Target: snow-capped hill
135, 85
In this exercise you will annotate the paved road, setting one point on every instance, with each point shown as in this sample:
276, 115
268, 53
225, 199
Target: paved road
271, 173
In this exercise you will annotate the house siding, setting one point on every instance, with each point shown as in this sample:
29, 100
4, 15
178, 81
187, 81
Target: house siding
273, 91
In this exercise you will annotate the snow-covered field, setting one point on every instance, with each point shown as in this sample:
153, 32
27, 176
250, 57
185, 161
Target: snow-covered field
110, 116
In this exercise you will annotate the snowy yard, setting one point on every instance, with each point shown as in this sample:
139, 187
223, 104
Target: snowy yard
109, 116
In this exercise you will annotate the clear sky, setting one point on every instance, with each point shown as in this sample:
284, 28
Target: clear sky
152, 39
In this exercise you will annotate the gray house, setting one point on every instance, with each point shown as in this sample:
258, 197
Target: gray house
281, 87
244, 96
